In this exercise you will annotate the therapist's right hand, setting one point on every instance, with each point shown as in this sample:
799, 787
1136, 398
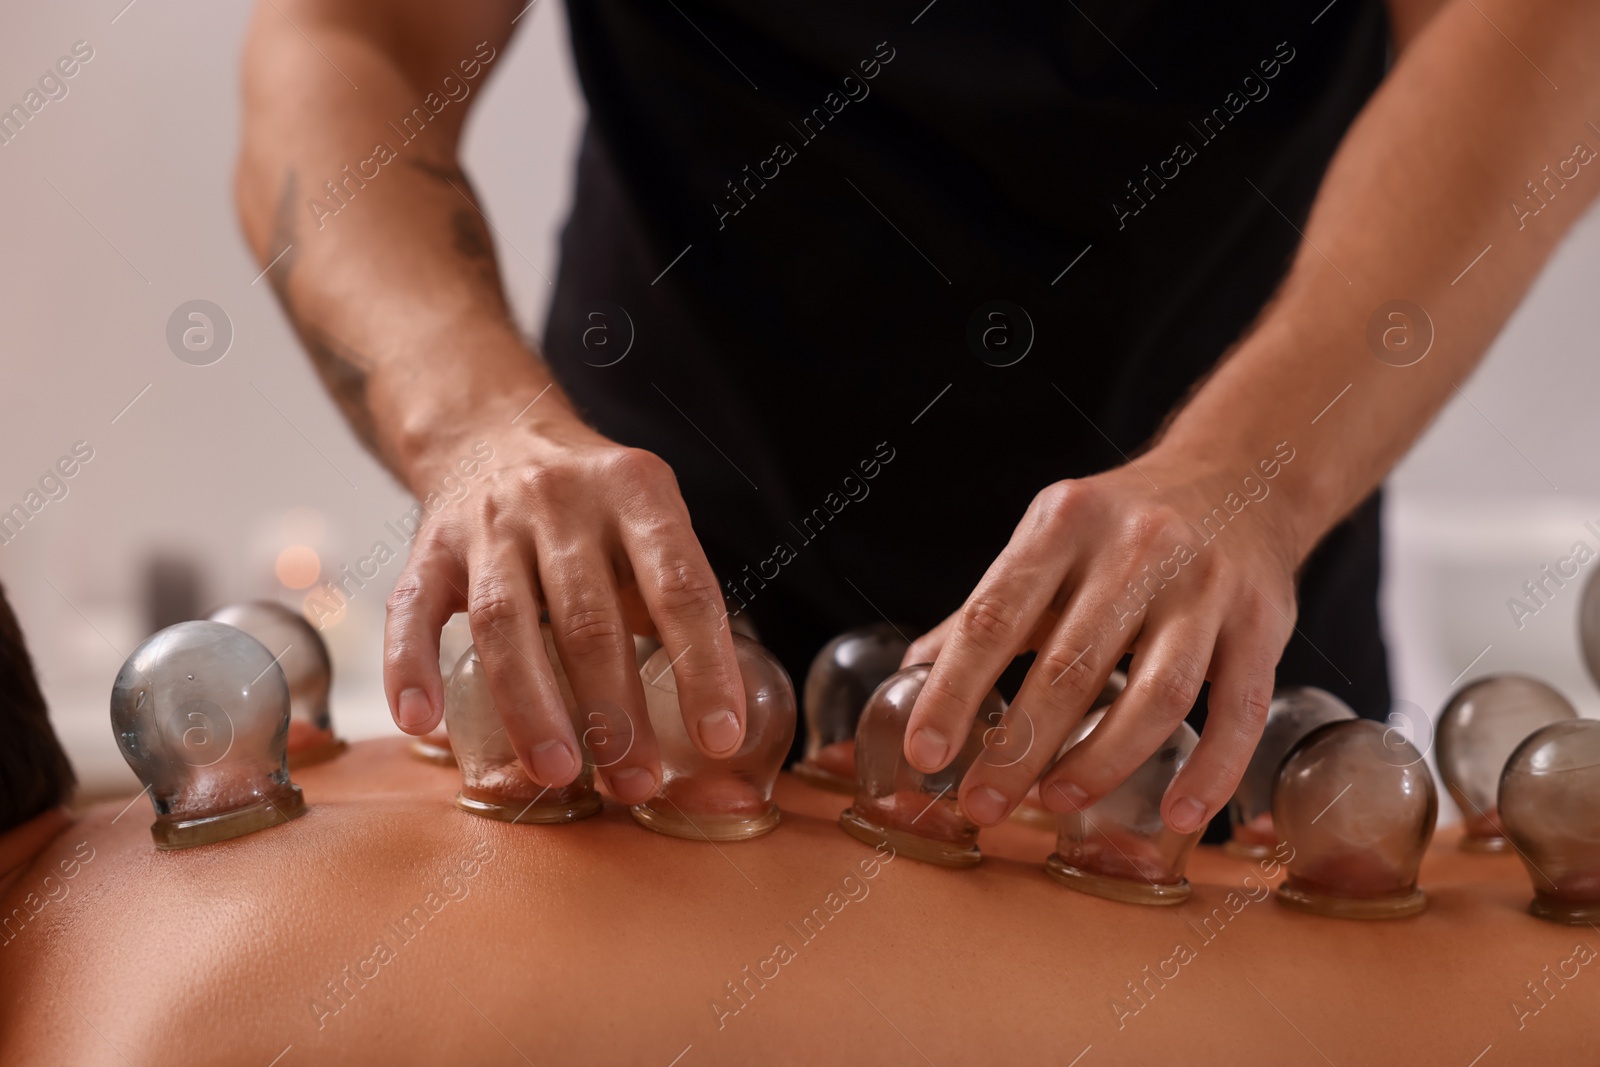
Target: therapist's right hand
565, 521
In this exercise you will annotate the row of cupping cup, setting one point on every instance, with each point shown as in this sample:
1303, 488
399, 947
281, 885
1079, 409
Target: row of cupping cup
1353, 799
1350, 802
1521, 766
212, 715
1358, 860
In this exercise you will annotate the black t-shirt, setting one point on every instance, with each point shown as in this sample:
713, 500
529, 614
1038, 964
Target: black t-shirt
811, 243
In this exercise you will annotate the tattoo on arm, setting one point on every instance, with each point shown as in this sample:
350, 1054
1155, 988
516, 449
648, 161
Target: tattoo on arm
472, 242
342, 369
469, 225
472, 238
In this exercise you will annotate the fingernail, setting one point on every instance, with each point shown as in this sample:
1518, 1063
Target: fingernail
928, 748
633, 785
719, 731
553, 764
1064, 796
986, 806
1186, 815
414, 711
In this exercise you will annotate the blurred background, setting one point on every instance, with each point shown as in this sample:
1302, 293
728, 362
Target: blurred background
238, 479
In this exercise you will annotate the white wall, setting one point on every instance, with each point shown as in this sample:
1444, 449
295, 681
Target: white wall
143, 146
203, 464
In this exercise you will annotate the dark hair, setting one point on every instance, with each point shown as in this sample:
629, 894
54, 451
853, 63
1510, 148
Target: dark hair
34, 773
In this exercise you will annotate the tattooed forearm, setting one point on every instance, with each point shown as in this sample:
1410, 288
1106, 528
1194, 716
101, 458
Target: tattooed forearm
473, 244
345, 369
469, 226
472, 237
342, 369
344, 372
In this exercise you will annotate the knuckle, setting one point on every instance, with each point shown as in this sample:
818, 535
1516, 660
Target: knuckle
989, 620
492, 604
639, 465
589, 630
1058, 507
1135, 530
1148, 533
434, 542
1056, 499
1068, 676
541, 483
1256, 623
651, 523
1172, 689
682, 585
1212, 575
1257, 614
1250, 709
407, 595
1266, 617
704, 673
1230, 755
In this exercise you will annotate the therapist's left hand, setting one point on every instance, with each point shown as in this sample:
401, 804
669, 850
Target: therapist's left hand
1099, 567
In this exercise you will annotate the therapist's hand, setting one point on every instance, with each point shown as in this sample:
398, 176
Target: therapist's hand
569, 522
1099, 567
400, 306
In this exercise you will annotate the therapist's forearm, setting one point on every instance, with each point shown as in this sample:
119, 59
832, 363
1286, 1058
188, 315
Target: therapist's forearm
390, 276
398, 301
1424, 182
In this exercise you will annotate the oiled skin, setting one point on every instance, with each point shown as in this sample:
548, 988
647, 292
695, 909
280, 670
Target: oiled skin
603, 943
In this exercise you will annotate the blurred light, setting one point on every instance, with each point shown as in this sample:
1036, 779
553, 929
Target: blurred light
298, 567
303, 526
324, 612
